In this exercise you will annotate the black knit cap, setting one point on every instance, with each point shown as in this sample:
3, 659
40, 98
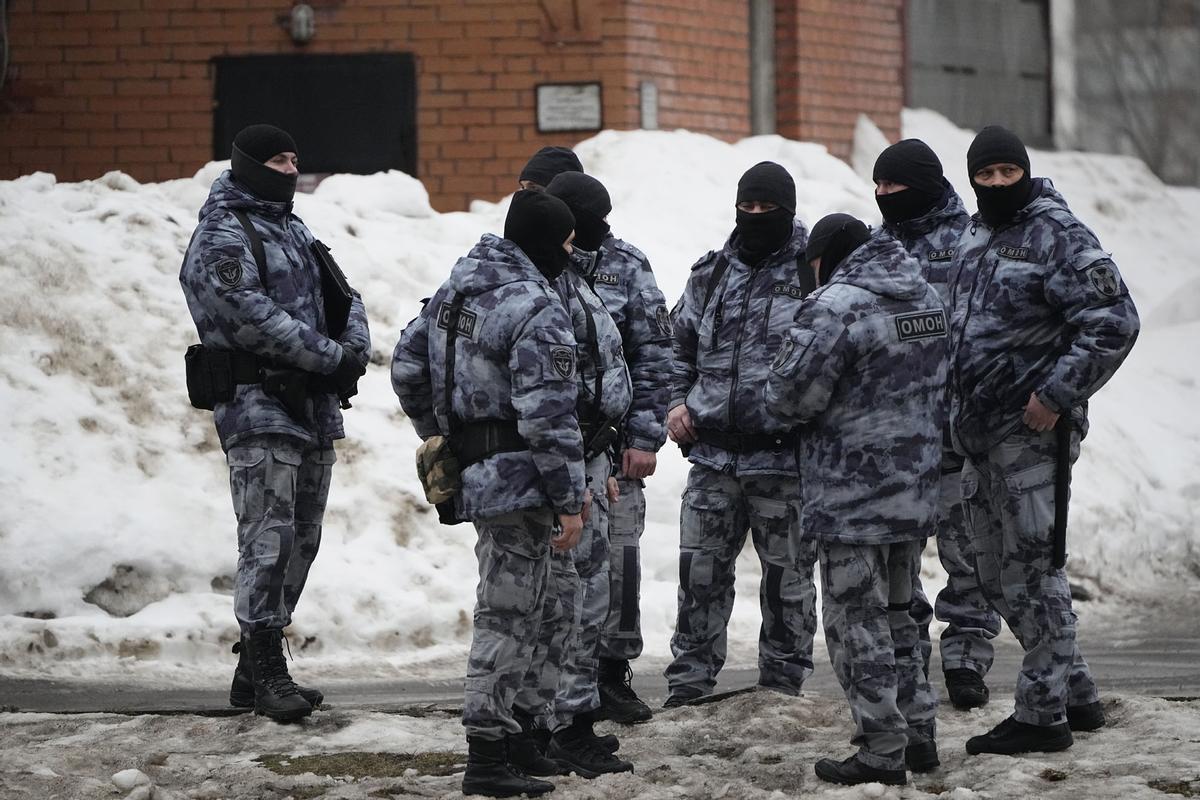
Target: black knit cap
996, 145
549, 162
262, 142
767, 182
835, 235
910, 162
538, 221
581, 192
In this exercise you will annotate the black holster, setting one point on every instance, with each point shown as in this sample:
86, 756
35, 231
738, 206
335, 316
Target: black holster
597, 439
213, 375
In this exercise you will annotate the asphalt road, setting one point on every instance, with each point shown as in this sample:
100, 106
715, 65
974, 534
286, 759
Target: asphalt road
1148, 648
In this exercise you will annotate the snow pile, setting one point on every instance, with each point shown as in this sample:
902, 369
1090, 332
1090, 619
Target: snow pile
118, 533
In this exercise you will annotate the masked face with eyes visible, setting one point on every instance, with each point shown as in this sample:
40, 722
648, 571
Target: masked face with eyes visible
766, 211
999, 167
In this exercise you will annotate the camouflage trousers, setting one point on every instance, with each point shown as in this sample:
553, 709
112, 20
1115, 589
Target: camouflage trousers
562, 677
513, 551
279, 490
717, 510
874, 645
971, 622
621, 639
1008, 496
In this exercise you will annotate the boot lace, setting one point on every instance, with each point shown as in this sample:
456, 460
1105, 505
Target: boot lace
272, 667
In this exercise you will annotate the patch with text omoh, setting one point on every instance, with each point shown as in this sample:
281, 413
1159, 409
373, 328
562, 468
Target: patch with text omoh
920, 325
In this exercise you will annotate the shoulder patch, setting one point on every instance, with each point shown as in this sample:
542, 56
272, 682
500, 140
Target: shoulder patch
663, 318
945, 254
1015, 253
785, 351
920, 325
562, 358
1104, 278
786, 288
229, 270
468, 321
609, 278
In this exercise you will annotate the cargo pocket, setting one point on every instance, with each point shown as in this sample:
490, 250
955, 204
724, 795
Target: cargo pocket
1029, 512
247, 480
312, 487
518, 568
774, 520
705, 519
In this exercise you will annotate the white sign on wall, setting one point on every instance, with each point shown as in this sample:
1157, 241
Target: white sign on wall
569, 107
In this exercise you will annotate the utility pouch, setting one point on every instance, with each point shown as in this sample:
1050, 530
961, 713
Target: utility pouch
289, 387
335, 290
600, 441
438, 470
209, 375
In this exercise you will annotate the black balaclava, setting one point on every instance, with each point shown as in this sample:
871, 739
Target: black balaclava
539, 223
910, 162
996, 145
763, 234
548, 162
832, 239
253, 147
589, 202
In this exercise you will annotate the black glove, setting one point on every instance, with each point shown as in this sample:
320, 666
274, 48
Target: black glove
345, 376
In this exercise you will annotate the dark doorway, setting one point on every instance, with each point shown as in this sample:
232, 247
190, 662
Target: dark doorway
347, 113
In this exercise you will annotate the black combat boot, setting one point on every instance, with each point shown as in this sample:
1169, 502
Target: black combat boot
851, 772
608, 741
920, 754
1084, 718
275, 695
966, 689
682, 695
578, 746
489, 773
618, 701
1011, 737
527, 749
241, 691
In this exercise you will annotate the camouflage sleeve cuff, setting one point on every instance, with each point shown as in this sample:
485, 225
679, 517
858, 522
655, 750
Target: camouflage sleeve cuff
643, 443
1046, 395
676, 401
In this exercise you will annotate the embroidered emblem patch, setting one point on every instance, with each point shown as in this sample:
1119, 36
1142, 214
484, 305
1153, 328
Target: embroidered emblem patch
611, 278
941, 255
563, 361
1104, 278
785, 351
1015, 253
229, 271
663, 318
467, 320
921, 325
784, 288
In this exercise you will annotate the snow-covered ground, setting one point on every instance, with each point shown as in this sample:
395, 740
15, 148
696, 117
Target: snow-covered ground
117, 531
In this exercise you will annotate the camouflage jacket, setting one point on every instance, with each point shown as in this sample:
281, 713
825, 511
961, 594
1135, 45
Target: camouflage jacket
515, 361
600, 360
284, 322
933, 240
865, 368
620, 274
723, 352
1037, 307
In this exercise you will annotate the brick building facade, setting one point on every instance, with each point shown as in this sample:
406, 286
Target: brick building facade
94, 85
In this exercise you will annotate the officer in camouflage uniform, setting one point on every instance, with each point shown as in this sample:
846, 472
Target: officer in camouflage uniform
1041, 320
923, 211
272, 324
513, 421
864, 369
737, 305
620, 274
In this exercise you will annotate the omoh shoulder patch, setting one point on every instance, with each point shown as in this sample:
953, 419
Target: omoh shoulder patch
1015, 253
920, 325
229, 270
563, 360
468, 321
946, 254
609, 278
1104, 278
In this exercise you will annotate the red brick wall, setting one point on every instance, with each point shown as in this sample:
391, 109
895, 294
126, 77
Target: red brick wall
834, 61
95, 85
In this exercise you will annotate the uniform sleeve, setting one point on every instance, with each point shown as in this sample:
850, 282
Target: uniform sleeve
685, 326
647, 344
411, 378
811, 359
225, 280
1103, 321
543, 365
357, 336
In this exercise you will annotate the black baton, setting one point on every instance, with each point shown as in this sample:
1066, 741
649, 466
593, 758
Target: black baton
1062, 489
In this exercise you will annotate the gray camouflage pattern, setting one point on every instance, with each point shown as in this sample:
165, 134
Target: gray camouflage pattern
621, 638
874, 645
513, 551
595, 333
285, 322
1008, 495
516, 361
279, 490
560, 622
971, 623
717, 510
1037, 307
864, 368
723, 353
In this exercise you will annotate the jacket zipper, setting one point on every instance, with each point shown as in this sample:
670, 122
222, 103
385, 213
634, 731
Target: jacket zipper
737, 346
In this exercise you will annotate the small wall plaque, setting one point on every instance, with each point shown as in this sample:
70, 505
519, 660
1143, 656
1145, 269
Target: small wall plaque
569, 107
